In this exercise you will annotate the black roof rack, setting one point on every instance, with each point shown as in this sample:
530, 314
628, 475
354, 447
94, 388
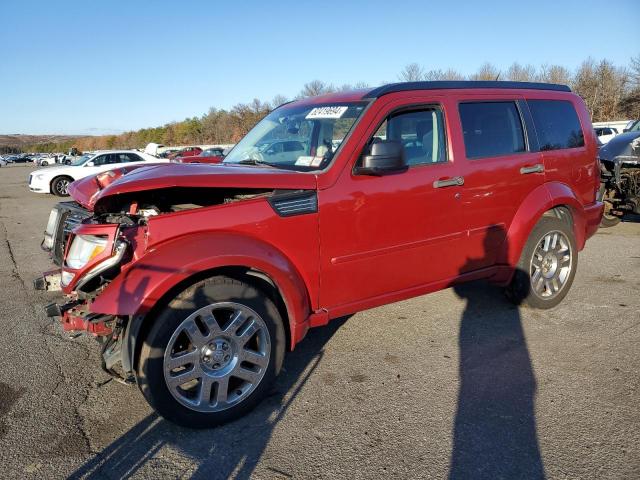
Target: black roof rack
458, 84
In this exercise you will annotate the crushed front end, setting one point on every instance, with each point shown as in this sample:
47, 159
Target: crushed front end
89, 251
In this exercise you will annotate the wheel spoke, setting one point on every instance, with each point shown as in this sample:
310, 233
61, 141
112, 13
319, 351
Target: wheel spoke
554, 241
182, 360
204, 396
248, 332
254, 358
222, 390
554, 284
547, 243
184, 377
536, 276
235, 323
211, 323
194, 334
246, 375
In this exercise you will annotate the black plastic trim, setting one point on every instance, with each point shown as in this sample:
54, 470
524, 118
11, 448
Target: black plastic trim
281, 202
462, 84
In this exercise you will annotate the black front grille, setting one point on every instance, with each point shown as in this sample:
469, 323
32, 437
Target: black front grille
71, 215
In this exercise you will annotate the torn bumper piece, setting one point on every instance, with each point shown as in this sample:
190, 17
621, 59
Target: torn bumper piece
75, 318
49, 281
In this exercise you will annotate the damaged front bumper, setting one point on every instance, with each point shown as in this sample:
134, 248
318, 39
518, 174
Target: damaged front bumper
49, 281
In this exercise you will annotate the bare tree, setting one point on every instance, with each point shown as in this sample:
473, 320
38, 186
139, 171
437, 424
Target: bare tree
411, 73
278, 100
315, 88
448, 74
554, 74
602, 87
519, 73
487, 71
634, 71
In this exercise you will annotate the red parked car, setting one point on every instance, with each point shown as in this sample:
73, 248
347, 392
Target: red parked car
198, 278
185, 152
210, 155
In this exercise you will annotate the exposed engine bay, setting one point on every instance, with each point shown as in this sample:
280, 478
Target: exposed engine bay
620, 182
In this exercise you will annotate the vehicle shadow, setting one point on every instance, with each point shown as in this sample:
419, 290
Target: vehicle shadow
495, 426
230, 450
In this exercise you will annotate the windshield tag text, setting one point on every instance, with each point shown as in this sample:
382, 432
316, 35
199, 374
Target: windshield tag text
326, 112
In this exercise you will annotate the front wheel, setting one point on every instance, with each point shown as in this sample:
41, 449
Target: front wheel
60, 186
212, 353
547, 265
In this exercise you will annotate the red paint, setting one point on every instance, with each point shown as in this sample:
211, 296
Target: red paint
72, 321
374, 240
84, 190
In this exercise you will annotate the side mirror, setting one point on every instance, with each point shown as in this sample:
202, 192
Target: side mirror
90, 164
385, 158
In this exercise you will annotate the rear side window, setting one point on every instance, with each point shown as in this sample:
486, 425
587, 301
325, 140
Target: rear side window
557, 124
491, 129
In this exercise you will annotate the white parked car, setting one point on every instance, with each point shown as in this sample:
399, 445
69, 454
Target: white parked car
2, 162
605, 133
55, 180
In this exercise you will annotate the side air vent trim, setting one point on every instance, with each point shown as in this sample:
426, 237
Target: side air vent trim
288, 203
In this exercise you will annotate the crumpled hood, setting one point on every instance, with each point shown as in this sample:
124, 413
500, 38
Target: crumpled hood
198, 176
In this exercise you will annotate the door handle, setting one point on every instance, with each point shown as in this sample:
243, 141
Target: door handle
539, 168
450, 182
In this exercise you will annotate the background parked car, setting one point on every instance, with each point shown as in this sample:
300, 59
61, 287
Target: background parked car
210, 155
56, 180
605, 133
185, 152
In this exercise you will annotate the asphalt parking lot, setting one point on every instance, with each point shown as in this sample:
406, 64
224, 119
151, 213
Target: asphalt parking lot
456, 384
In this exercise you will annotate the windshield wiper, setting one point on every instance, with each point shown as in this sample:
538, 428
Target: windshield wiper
253, 161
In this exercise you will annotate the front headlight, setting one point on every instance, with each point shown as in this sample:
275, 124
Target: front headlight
39, 176
84, 248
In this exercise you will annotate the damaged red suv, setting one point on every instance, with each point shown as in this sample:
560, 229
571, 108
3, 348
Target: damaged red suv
197, 278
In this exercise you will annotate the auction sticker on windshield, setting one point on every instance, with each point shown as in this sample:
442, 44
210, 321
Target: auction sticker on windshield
326, 112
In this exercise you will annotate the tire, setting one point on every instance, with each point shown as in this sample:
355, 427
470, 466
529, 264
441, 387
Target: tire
44, 163
189, 404
60, 185
543, 275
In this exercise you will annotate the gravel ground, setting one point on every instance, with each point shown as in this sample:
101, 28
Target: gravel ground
456, 384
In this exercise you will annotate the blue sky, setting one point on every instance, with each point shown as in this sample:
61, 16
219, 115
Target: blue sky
96, 67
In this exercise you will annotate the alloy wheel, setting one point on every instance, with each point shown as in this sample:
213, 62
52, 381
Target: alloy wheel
551, 265
217, 357
62, 186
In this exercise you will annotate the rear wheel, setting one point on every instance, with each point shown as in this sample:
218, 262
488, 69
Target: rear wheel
547, 265
60, 186
212, 354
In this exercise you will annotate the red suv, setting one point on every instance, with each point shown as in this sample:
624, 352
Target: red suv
198, 278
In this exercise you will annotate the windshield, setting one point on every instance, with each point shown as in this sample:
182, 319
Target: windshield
79, 161
297, 137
